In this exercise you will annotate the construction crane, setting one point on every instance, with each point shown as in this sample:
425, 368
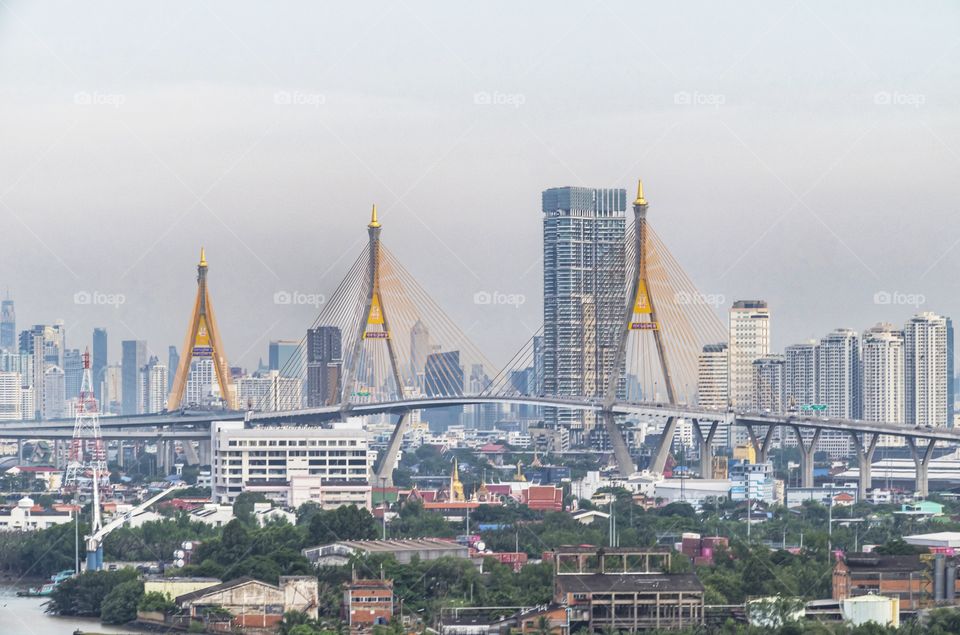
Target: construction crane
99, 533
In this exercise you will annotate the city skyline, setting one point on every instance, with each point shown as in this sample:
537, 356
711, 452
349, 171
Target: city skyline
825, 193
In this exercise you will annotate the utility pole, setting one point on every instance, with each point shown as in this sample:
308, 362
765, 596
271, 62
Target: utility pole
383, 503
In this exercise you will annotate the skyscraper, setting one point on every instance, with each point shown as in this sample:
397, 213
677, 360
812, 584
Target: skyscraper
8, 326
324, 366
749, 340
800, 372
99, 362
73, 372
713, 387
153, 386
134, 357
584, 271
443, 377
173, 362
282, 355
420, 346
712, 384
838, 386
11, 398
768, 384
928, 365
883, 378
54, 393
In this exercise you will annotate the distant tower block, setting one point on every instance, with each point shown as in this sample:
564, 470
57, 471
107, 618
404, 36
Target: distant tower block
202, 342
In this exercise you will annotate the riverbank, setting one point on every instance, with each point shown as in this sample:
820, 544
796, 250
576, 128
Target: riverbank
27, 615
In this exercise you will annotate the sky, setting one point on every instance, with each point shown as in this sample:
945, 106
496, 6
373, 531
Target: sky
806, 153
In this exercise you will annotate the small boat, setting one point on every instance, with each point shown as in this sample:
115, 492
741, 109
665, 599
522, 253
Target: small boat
62, 575
38, 592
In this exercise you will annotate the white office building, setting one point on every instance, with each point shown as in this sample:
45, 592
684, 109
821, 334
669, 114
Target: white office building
928, 366
291, 465
153, 387
883, 379
54, 393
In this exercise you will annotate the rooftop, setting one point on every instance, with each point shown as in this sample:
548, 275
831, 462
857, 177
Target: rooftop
637, 583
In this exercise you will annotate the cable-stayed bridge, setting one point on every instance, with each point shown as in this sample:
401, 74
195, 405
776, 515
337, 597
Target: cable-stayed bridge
382, 346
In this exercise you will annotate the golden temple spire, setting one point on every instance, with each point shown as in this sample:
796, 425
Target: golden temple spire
640, 200
203, 257
373, 218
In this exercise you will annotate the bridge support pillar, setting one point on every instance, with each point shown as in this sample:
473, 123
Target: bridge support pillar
806, 455
190, 454
203, 452
761, 448
621, 453
384, 474
921, 459
663, 448
865, 460
19, 451
706, 447
120, 453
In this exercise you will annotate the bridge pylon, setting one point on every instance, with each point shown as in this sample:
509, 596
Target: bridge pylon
202, 342
374, 327
640, 317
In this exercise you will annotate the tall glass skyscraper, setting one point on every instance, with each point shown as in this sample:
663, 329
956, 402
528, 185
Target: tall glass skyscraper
8, 326
134, 358
584, 274
99, 363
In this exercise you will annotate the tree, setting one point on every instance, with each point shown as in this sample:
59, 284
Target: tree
155, 601
347, 522
243, 506
120, 604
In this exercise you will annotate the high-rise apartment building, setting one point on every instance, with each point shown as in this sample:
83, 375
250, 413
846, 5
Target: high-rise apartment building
883, 379
928, 367
54, 393
800, 375
839, 388
153, 386
712, 384
134, 357
443, 377
421, 346
324, 366
713, 387
11, 397
749, 324
99, 362
8, 326
769, 381
202, 387
584, 270
270, 392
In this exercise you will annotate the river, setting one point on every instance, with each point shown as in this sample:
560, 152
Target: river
25, 616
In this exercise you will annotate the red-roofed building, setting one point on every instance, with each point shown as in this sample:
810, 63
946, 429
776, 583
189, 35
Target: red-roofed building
543, 498
493, 452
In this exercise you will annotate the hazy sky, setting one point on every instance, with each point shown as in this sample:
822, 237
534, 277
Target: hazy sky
803, 152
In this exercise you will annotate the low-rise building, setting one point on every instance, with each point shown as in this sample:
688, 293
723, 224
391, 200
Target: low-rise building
367, 603
913, 580
26, 516
252, 603
339, 553
838, 496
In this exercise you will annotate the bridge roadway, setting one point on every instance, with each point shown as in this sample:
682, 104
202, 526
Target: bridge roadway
190, 424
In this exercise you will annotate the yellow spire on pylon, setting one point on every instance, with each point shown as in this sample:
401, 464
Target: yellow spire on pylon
203, 257
373, 218
640, 200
